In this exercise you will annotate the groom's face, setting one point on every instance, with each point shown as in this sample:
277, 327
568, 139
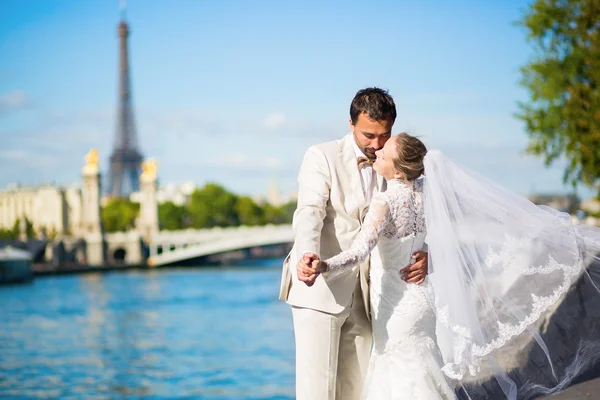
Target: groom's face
371, 135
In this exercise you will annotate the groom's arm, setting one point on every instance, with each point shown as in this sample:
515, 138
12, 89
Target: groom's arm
314, 183
417, 272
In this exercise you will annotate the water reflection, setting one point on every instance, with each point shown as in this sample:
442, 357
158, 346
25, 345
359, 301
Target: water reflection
218, 334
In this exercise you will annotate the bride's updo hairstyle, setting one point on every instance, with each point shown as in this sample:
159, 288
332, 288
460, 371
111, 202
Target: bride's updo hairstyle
411, 152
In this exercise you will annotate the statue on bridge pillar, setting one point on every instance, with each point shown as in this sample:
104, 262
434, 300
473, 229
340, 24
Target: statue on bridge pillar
90, 218
148, 219
91, 222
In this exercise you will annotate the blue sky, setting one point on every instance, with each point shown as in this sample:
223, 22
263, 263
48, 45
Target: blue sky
235, 91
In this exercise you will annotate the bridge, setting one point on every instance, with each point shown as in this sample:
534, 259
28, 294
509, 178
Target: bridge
172, 247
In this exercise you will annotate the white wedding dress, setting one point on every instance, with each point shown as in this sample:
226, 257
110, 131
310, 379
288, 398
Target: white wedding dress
406, 361
510, 280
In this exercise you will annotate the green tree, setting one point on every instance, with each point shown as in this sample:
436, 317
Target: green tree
7, 234
172, 217
213, 206
16, 229
119, 215
249, 213
288, 210
52, 233
563, 115
274, 215
279, 214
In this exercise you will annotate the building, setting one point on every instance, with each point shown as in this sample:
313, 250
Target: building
51, 209
178, 194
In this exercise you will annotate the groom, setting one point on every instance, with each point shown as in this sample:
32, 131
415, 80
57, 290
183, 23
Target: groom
332, 317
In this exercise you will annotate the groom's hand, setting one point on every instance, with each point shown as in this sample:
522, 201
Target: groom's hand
307, 268
416, 272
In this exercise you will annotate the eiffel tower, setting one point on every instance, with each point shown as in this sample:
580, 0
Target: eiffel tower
125, 160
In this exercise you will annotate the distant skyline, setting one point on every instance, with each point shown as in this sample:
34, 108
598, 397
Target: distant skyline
234, 92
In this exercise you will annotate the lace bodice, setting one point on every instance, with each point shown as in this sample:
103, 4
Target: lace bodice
394, 214
405, 360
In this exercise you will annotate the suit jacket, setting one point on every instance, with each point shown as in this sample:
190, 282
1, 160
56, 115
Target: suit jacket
331, 208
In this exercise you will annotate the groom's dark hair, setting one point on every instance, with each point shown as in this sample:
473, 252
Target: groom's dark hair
375, 102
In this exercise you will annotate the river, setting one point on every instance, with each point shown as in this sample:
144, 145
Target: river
197, 333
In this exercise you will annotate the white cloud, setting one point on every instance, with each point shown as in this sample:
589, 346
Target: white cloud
274, 121
13, 101
32, 167
437, 129
244, 161
13, 155
180, 122
273, 162
202, 146
237, 160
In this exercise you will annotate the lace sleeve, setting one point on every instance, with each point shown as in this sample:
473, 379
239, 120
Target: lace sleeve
375, 220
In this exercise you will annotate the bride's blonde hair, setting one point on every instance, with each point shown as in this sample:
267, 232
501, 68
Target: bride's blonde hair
409, 159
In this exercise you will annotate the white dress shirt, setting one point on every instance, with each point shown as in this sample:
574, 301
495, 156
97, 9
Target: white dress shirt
368, 175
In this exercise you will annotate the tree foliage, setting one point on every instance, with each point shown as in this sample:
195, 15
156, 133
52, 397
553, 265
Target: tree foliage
562, 116
249, 213
208, 207
119, 215
7, 234
16, 229
213, 206
172, 216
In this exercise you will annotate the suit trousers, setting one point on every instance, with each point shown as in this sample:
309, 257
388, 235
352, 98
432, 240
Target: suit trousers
332, 351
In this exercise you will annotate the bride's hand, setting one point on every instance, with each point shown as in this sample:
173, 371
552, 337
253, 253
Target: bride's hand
320, 266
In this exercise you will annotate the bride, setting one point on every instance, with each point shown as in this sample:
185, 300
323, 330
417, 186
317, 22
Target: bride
498, 265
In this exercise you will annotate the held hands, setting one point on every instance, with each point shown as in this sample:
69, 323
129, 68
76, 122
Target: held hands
416, 272
308, 268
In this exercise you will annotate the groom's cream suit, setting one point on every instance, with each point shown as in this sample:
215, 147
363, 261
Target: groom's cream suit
331, 318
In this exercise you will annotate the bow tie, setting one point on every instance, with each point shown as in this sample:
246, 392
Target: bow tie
364, 162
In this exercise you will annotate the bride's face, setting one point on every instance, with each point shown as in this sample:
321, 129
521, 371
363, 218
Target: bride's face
384, 164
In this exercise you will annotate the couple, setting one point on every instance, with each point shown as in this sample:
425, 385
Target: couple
499, 262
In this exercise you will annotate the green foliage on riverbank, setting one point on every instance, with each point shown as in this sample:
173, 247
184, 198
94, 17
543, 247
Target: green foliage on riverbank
13, 234
119, 215
213, 206
562, 116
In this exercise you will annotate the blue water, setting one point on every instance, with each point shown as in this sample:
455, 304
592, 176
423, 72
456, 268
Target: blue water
192, 333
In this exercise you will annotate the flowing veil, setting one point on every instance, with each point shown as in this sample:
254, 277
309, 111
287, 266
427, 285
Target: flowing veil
516, 286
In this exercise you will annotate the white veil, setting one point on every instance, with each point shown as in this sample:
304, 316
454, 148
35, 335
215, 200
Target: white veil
514, 286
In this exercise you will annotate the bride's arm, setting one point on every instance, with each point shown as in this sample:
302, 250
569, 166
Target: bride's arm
375, 220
